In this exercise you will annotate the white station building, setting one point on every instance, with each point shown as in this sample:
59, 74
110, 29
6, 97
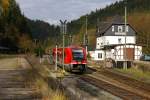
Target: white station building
110, 42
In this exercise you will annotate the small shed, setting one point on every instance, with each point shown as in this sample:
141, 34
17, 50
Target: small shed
97, 55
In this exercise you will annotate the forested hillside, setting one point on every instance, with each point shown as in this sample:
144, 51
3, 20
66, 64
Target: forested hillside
42, 30
19, 32
138, 17
13, 25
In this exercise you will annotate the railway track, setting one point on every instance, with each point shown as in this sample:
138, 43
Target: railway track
144, 87
122, 78
121, 86
113, 89
118, 84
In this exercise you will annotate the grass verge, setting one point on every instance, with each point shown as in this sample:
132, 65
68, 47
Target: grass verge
39, 77
136, 74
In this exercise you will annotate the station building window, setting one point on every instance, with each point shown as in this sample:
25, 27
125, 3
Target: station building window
120, 29
119, 40
100, 55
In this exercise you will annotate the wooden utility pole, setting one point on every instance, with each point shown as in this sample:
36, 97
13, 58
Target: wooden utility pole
125, 48
86, 36
70, 39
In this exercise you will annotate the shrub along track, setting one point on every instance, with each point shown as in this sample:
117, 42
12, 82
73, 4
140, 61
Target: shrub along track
118, 85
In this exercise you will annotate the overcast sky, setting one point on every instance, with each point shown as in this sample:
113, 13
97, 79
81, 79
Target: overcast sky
54, 10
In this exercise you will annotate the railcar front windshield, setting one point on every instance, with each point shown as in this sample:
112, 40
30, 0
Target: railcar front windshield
78, 54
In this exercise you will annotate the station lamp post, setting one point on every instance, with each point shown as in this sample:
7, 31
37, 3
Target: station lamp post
63, 31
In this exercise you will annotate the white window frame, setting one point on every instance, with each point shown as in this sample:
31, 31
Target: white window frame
113, 28
127, 28
120, 29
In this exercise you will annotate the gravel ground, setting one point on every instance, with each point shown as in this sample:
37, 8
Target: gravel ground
77, 89
81, 90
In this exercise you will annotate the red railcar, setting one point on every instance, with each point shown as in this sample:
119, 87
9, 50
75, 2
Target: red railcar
74, 58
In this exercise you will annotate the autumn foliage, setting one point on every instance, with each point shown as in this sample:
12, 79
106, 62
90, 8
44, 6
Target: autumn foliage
141, 23
13, 27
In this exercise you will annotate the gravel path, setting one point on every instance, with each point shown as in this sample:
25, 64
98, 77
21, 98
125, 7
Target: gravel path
12, 81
